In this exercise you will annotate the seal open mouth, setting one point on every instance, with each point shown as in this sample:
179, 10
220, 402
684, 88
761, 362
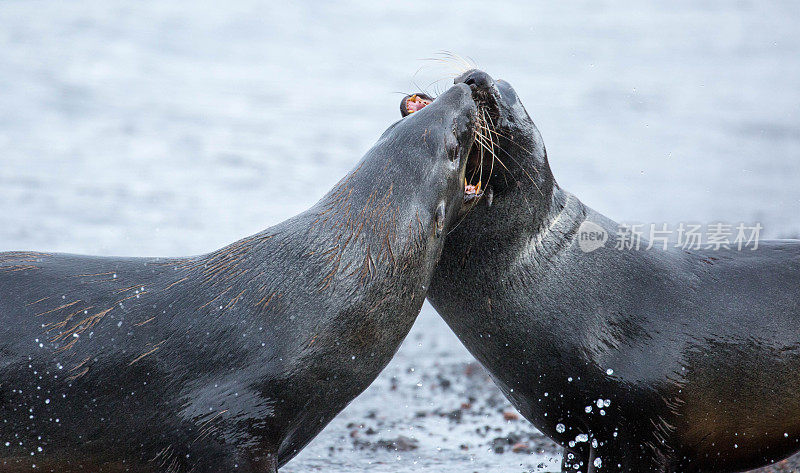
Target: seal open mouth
482, 157
480, 162
474, 178
413, 103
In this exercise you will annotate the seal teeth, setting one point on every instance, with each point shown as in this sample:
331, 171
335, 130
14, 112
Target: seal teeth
472, 191
409, 101
414, 103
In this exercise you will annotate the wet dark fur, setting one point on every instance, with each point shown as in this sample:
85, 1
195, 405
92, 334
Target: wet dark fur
235, 360
704, 346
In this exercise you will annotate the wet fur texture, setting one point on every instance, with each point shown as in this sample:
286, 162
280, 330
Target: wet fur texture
234, 360
698, 352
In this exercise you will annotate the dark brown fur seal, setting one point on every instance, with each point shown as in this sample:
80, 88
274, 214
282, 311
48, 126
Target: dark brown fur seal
235, 360
636, 361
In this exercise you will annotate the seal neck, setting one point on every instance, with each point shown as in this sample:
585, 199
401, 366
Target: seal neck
365, 229
556, 230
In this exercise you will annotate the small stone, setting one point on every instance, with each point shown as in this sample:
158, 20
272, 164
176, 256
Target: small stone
521, 447
499, 445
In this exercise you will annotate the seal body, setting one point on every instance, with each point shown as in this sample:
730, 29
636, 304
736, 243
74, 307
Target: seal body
234, 360
633, 360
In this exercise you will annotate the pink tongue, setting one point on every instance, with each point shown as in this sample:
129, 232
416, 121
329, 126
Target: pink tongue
416, 103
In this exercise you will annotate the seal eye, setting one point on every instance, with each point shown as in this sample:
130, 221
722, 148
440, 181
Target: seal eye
439, 219
452, 149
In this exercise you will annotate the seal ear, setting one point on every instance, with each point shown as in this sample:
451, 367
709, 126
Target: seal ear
439, 219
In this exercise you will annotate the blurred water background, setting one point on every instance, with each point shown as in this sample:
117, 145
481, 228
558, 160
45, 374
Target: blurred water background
173, 128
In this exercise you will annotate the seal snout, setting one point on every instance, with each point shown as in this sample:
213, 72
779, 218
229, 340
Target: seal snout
484, 89
476, 79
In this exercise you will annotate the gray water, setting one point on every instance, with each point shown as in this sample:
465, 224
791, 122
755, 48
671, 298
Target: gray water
173, 128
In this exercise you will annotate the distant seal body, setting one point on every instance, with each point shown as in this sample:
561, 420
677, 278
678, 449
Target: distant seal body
635, 361
235, 360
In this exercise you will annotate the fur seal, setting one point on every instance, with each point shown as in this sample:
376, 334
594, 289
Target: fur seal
234, 360
635, 361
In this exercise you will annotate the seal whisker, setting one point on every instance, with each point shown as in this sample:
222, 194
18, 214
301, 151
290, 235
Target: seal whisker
497, 158
492, 129
484, 138
424, 90
535, 169
435, 84
486, 124
460, 220
533, 181
491, 150
458, 59
445, 62
510, 138
521, 166
494, 155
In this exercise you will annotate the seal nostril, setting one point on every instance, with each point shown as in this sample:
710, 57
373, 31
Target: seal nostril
476, 79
